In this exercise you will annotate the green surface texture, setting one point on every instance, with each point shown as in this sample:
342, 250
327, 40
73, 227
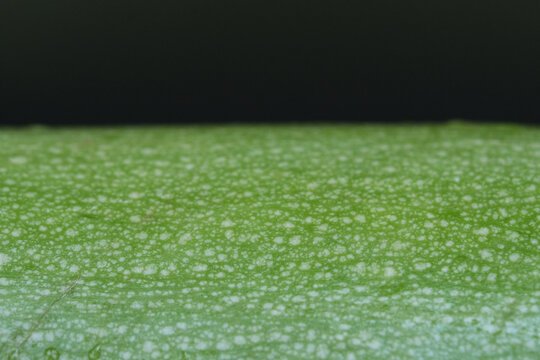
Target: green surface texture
270, 242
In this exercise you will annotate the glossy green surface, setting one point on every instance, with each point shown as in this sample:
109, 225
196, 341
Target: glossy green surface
314, 242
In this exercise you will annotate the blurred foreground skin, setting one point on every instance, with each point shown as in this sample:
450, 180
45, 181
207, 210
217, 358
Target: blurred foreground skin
338, 242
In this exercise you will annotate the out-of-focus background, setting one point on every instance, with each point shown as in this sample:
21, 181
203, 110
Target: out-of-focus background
210, 61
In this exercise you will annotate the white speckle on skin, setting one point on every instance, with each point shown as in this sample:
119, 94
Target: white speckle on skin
360, 218
422, 266
323, 351
239, 340
295, 240
222, 345
19, 160
227, 223
148, 346
375, 344
167, 330
482, 231
37, 336
490, 328
201, 345
184, 238
200, 267
122, 329
389, 272
288, 225
486, 254
278, 240
150, 269
135, 195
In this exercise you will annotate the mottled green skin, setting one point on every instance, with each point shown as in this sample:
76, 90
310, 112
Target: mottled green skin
338, 242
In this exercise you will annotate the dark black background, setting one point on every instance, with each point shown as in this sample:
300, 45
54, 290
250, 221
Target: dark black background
191, 61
